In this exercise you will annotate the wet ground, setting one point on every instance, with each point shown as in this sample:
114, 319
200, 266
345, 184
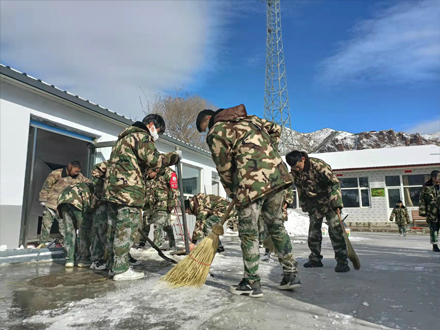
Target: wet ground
396, 288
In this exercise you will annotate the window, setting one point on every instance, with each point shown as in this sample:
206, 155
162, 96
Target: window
408, 186
412, 186
392, 180
355, 192
190, 180
393, 197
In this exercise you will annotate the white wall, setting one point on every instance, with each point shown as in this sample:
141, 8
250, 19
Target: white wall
379, 210
17, 105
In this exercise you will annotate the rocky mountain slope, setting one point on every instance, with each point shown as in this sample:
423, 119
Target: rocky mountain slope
328, 140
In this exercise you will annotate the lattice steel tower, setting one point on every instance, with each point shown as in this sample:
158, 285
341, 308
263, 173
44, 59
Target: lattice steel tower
276, 98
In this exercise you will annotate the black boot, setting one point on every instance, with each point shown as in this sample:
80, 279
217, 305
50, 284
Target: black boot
220, 248
342, 268
245, 287
289, 282
313, 264
435, 248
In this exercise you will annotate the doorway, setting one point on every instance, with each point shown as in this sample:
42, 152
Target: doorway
47, 151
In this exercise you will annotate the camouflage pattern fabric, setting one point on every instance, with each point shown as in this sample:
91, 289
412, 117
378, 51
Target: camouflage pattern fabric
318, 188
99, 233
98, 178
132, 154
336, 237
162, 192
402, 230
233, 221
429, 203
162, 222
55, 183
123, 224
429, 207
75, 219
401, 215
433, 231
271, 211
204, 206
80, 195
49, 216
245, 151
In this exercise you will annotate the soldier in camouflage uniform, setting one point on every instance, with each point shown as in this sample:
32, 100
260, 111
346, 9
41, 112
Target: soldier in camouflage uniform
53, 186
100, 219
402, 218
75, 206
244, 149
289, 201
124, 188
320, 196
209, 210
162, 196
429, 207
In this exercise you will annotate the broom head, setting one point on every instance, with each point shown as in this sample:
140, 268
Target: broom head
194, 268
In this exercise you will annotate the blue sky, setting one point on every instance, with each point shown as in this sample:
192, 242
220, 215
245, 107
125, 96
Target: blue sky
351, 65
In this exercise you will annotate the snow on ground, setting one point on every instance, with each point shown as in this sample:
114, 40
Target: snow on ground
298, 224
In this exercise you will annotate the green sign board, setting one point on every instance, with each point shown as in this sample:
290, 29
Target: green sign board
378, 192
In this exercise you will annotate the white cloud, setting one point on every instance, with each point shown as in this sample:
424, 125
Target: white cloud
106, 50
426, 127
400, 45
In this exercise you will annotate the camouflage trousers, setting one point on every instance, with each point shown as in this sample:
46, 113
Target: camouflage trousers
270, 208
336, 237
402, 230
162, 223
99, 233
49, 216
433, 231
123, 223
74, 220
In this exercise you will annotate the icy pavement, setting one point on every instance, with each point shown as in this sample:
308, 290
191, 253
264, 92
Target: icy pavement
396, 288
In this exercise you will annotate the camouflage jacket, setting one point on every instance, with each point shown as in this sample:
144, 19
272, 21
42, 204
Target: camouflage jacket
132, 154
55, 183
401, 215
204, 206
98, 176
81, 195
245, 151
162, 192
429, 204
318, 188
290, 197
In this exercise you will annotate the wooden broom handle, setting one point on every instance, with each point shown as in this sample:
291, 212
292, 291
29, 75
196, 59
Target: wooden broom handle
228, 211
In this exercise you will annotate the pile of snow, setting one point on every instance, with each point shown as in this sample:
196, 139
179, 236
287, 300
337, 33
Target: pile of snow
298, 224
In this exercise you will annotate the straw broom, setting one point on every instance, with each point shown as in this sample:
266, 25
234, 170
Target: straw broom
194, 268
350, 251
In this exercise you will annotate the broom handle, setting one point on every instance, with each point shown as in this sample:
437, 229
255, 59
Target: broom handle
228, 211
182, 206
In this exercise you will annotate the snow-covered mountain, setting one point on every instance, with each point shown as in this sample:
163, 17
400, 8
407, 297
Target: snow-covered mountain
328, 140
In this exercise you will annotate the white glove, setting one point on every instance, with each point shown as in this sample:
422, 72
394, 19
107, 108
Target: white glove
179, 153
43, 203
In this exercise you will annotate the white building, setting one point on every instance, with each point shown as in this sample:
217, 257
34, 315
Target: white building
43, 128
373, 180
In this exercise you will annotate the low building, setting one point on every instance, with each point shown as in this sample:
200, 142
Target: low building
373, 180
43, 128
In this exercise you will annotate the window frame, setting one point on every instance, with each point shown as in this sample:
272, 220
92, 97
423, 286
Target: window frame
359, 190
402, 187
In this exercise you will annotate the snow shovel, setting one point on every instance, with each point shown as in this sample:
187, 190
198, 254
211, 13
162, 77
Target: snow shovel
350, 251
